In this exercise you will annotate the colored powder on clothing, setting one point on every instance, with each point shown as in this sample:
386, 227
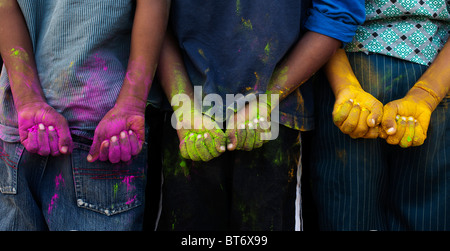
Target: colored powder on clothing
128, 180
52, 203
247, 24
116, 188
267, 49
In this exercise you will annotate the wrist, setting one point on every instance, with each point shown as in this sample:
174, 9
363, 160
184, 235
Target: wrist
420, 93
132, 104
28, 101
346, 85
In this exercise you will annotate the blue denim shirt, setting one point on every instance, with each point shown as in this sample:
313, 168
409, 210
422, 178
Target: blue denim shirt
233, 47
81, 50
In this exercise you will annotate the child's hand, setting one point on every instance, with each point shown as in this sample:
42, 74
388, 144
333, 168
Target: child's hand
200, 137
247, 127
406, 121
119, 136
43, 130
357, 113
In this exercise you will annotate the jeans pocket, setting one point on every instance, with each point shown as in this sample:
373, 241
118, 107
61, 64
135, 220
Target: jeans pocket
108, 188
9, 158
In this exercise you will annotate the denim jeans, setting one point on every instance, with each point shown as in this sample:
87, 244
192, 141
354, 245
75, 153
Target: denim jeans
68, 193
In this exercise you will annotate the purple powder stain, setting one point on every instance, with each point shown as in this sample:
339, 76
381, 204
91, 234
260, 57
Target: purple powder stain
131, 200
128, 180
52, 203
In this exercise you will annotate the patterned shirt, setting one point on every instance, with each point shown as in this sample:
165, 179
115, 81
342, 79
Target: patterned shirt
411, 30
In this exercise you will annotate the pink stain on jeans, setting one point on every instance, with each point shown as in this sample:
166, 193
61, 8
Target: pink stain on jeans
128, 180
59, 182
131, 200
52, 203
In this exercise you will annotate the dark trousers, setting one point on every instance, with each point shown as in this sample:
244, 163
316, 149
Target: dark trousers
239, 190
367, 184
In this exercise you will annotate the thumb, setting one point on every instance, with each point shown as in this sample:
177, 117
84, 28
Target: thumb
231, 139
65, 143
375, 116
94, 151
389, 123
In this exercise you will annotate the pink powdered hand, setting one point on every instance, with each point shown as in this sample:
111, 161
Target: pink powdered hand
119, 136
43, 130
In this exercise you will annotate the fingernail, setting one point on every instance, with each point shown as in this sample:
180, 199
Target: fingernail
199, 136
41, 127
351, 100
250, 125
130, 132
51, 128
397, 117
255, 121
205, 135
222, 148
64, 149
390, 130
89, 158
230, 146
373, 121
114, 138
123, 135
262, 119
105, 143
411, 119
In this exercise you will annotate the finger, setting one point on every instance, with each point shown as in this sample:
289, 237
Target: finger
202, 149
362, 127
135, 143
250, 137
104, 151
53, 141
114, 150
394, 139
241, 135
219, 138
190, 146
408, 136
211, 145
43, 146
381, 133
232, 139
341, 112
388, 121
419, 134
265, 126
372, 133
94, 150
65, 143
375, 116
32, 141
125, 148
349, 125
258, 132
183, 149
